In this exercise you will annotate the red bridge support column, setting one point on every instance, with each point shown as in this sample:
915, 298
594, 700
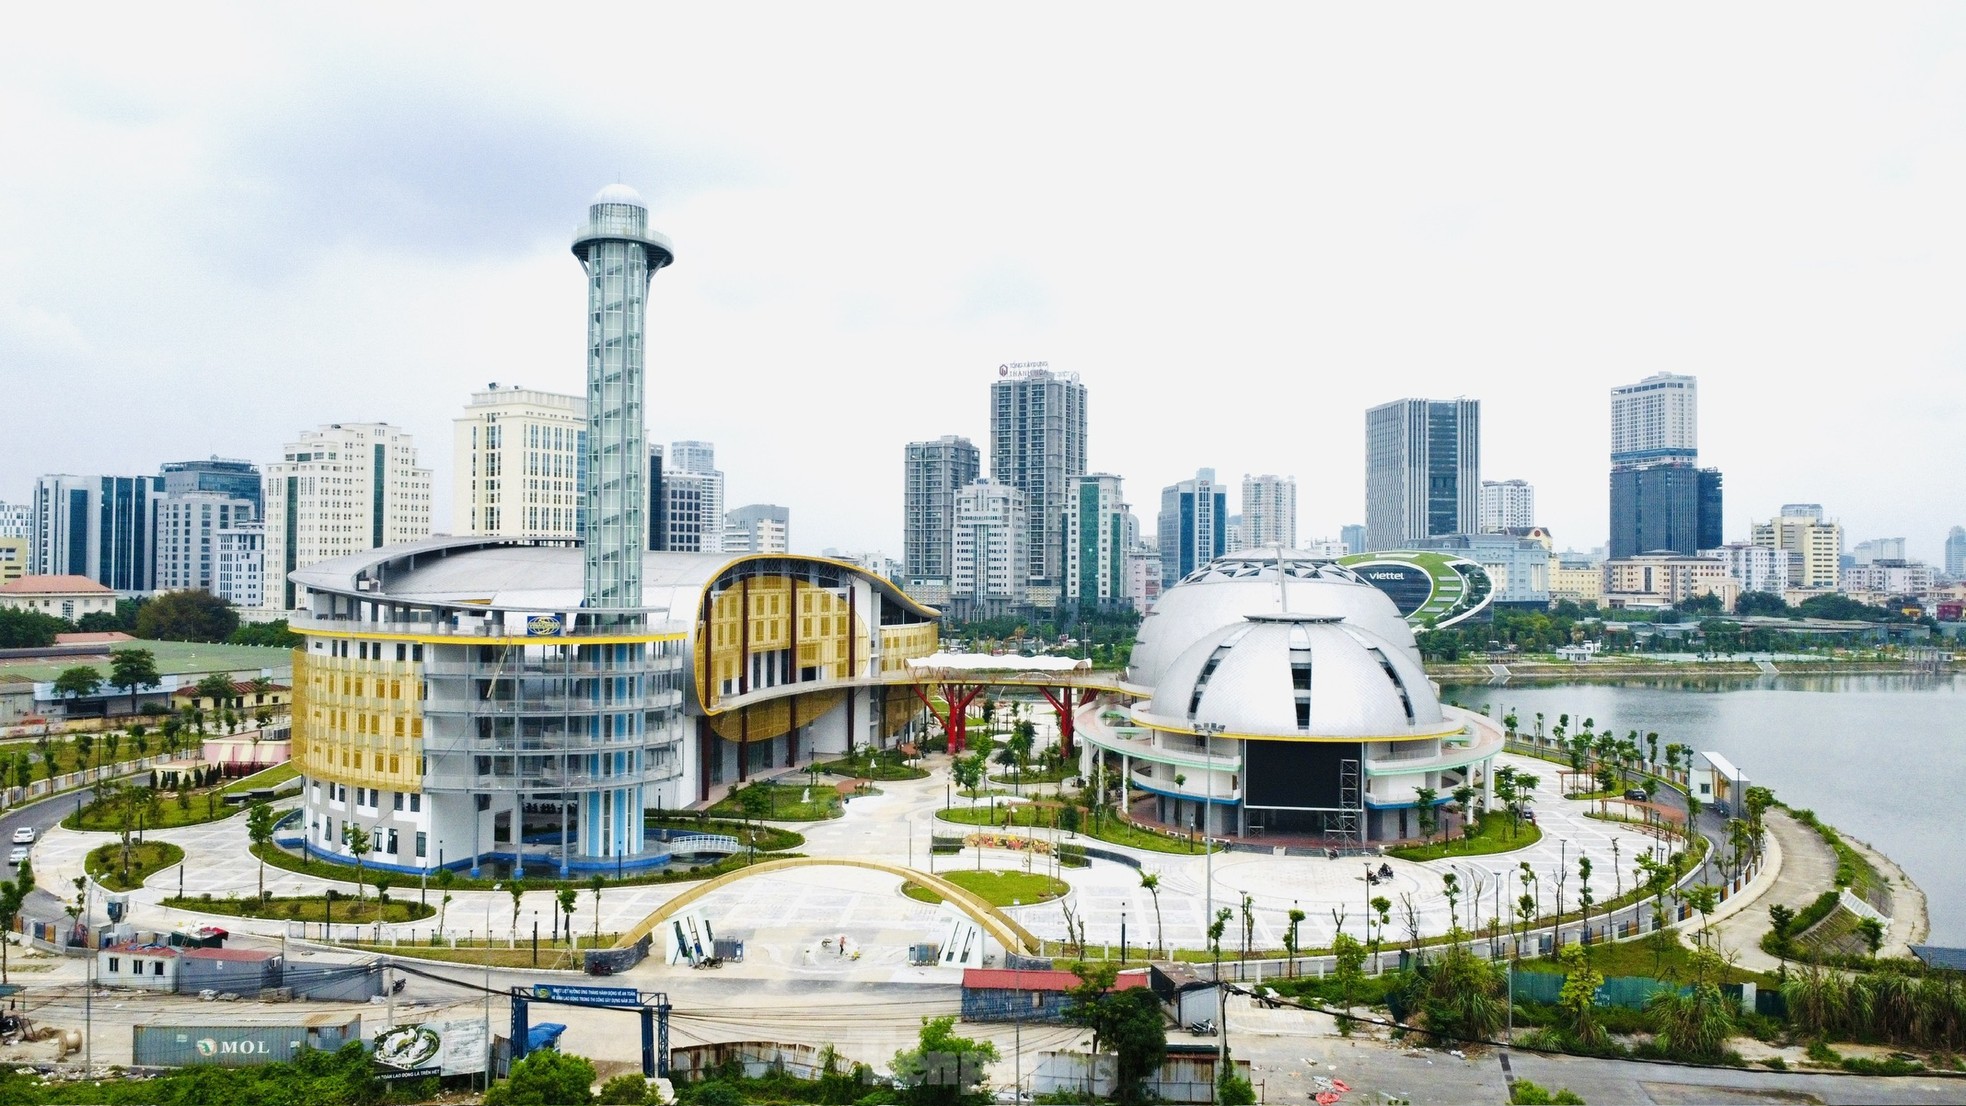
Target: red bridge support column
1066, 702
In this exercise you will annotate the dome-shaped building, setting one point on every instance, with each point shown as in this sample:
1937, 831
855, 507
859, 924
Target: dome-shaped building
1285, 696
1222, 592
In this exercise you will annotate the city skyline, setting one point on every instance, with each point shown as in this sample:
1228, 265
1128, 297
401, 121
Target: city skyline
439, 186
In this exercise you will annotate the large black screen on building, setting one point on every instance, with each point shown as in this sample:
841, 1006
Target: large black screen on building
1296, 773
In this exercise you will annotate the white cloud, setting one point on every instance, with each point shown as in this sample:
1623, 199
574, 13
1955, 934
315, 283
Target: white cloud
1241, 226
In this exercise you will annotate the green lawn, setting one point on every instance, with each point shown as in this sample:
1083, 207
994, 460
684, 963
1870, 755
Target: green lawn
995, 887
146, 860
311, 908
1111, 830
1491, 836
1638, 957
203, 806
787, 803
887, 766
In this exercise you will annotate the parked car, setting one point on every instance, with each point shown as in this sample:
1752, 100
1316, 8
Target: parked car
24, 835
19, 854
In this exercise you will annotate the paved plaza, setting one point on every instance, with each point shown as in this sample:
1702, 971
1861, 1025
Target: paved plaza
895, 826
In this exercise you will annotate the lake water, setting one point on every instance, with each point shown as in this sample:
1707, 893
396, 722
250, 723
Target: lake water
1881, 757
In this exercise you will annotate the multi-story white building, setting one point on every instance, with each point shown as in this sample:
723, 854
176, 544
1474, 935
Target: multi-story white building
1813, 544
1653, 580
1037, 445
1095, 543
16, 520
1422, 470
1143, 577
239, 565
990, 551
341, 489
932, 474
1754, 567
1269, 512
1656, 419
188, 525
101, 527
758, 528
1878, 549
1894, 577
1507, 505
520, 464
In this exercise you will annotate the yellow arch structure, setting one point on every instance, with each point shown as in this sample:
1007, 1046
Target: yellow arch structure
995, 922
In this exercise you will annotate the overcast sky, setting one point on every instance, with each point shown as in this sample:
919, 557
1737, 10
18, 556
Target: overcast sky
1241, 225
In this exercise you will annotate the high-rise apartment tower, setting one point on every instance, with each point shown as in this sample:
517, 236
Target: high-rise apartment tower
1422, 470
1269, 511
932, 473
1037, 445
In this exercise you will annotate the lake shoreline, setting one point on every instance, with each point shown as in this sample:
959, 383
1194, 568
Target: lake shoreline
1585, 672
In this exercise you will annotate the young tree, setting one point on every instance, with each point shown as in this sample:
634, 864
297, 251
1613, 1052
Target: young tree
1464, 797
568, 899
1151, 881
131, 669
1248, 923
1425, 812
1382, 908
1290, 937
1348, 960
1584, 895
359, 841
594, 884
259, 830
1578, 999
445, 877
13, 895
517, 889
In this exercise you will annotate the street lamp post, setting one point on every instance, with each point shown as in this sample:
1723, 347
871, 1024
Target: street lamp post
488, 1036
1208, 730
1122, 936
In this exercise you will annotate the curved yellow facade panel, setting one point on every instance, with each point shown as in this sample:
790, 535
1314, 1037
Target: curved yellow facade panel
358, 722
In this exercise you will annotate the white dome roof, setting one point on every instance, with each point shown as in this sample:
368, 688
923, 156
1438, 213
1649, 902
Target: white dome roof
620, 194
1228, 589
1290, 675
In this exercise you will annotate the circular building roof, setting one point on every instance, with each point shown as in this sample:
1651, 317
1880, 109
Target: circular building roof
1228, 589
1294, 675
620, 194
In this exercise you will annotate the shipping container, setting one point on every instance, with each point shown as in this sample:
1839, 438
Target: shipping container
239, 1046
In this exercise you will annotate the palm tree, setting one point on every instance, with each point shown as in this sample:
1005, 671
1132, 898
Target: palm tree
1151, 881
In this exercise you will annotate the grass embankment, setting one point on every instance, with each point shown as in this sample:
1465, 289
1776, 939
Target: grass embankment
1111, 830
105, 863
552, 954
785, 802
278, 857
269, 778
1036, 776
995, 887
1493, 834
765, 838
311, 908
